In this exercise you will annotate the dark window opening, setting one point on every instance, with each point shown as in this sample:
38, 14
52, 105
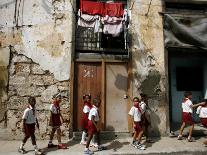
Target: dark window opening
189, 78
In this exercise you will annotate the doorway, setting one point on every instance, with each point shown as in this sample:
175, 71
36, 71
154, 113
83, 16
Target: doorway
109, 82
187, 72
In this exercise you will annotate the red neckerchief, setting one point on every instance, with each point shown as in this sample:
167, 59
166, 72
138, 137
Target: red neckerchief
137, 106
88, 104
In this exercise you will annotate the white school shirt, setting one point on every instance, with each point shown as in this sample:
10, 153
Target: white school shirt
54, 109
143, 106
134, 112
186, 106
93, 112
202, 111
29, 115
86, 109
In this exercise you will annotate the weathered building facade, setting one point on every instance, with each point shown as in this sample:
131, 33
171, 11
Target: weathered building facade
41, 52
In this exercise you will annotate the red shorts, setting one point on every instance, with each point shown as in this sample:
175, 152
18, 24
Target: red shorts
187, 118
29, 129
91, 128
84, 122
204, 122
137, 126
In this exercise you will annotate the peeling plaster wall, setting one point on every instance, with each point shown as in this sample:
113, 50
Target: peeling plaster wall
4, 62
39, 35
148, 61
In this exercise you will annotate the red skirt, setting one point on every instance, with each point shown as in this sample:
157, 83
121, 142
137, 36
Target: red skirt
29, 129
137, 126
91, 128
84, 122
204, 122
55, 120
187, 118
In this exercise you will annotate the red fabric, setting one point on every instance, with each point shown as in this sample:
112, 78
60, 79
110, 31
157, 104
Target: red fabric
55, 118
84, 122
88, 104
187, 118
92, 8
29, 129
137, 126
204, 122
136, 104
114, 9
91, 128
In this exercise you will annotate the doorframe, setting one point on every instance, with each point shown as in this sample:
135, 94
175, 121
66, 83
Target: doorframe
103, 96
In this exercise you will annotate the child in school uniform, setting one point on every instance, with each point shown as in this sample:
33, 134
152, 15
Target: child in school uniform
29, 122
136, 113
145, 118
202, 112
55, 121
93, 126
86, 109
187, 108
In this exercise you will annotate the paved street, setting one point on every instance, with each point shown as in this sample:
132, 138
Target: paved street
165, 145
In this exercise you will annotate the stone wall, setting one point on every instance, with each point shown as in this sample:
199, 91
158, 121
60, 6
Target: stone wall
39, 35
28, 79
148, 59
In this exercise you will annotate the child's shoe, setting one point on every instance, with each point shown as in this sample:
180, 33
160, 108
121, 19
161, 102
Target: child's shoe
38, 152
94, 145
191, 139
22, 150
180, 137
62, 146
141, 147
51, 145
87, 151
83, 142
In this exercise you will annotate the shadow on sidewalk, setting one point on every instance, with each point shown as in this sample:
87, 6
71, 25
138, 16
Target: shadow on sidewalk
68, 144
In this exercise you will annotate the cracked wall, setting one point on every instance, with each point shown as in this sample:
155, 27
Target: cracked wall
39, 35
148, 59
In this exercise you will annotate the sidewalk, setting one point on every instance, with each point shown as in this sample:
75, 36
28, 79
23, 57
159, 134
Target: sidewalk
164, 145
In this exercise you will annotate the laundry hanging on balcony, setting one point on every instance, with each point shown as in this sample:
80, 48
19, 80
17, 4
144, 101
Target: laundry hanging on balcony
92, 8
90, 21
112, 15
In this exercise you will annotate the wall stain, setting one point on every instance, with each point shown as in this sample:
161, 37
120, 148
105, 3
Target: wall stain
52, 44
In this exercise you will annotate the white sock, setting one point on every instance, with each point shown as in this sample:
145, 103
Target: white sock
21, 146
86, 149
83, 136
189, 137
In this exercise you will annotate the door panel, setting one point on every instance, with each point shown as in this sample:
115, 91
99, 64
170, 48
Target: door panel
88, 81
116, 105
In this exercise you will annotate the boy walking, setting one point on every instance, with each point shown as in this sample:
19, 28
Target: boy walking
136, 113
187, 108
29, 122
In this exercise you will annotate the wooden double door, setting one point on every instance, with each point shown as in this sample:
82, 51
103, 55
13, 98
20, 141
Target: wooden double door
109, 82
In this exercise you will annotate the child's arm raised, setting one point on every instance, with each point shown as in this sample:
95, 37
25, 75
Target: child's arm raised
198, 104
